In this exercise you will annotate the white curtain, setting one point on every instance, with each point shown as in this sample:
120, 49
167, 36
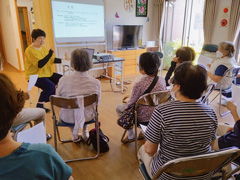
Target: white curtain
209, 19
234, 21
159, 10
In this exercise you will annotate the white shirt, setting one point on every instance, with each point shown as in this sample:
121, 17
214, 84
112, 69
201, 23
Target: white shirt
77, 84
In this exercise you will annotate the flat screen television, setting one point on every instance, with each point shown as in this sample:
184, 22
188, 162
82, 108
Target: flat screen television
127, 36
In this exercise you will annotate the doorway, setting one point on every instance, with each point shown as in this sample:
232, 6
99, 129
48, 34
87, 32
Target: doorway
2, 46
24, 27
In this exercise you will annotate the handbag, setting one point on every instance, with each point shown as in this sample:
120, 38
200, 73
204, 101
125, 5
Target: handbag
127, 117
103, 139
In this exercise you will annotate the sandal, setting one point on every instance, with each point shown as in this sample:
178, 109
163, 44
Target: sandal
76, 138
126, 140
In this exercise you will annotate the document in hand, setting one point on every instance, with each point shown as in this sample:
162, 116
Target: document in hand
32, 81
33, 135
235, 96
205, 61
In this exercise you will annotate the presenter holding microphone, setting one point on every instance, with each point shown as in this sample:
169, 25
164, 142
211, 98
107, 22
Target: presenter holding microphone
39, 60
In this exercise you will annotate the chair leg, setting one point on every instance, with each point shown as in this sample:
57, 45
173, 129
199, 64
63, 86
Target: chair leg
220, 107
123, 136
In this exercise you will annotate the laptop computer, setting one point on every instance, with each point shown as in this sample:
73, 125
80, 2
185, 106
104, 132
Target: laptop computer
90, 52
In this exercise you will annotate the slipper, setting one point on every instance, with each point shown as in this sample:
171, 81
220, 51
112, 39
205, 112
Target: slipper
48, 136
85, 135
77, 140
126, 140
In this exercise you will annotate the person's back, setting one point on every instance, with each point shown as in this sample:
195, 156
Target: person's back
34, 161
20, 160
180, 128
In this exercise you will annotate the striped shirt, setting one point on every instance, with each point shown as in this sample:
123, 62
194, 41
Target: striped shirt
181, 129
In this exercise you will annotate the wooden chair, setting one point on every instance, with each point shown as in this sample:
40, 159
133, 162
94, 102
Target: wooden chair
72, 103
193, 166
151, 99
232, 73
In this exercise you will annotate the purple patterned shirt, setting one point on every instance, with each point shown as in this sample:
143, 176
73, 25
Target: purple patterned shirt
145, 112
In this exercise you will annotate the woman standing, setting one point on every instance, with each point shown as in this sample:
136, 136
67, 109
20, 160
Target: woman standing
39, 60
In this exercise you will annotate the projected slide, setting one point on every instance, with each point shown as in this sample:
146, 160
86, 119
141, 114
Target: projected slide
74, 20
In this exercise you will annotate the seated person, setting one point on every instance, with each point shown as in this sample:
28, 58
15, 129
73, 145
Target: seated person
225, 60
23, 160
38, 60
228, 136
76, 84
180, 128
182, 54
149, 64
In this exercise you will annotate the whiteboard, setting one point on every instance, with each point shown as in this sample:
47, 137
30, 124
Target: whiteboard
78, 20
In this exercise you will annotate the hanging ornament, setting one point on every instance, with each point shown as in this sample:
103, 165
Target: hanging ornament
224, 22
128, 5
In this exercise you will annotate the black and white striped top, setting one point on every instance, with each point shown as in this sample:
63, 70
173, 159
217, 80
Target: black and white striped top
181, 129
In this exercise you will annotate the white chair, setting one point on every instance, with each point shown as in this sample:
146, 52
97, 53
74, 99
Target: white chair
232, 74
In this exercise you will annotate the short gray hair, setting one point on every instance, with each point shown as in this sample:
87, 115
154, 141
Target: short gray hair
228, 46
80, 60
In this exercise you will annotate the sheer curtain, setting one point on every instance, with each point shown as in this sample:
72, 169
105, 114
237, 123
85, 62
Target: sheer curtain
209, 19
159, 10
234, 21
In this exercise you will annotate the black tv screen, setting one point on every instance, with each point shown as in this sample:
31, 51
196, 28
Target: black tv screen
127, 36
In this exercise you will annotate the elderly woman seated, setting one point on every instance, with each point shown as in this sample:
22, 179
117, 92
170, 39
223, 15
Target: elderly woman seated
79, 83
149, 64
22, 160
183, 127
225, 60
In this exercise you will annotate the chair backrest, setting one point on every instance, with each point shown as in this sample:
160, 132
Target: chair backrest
153, 98
200, 164
231, 73
207, 92
71, 102
210, 47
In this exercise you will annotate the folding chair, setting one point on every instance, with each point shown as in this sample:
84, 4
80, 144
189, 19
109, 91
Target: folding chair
72, 103
150, 99
193, 166
16, 129
232, 73
207, 93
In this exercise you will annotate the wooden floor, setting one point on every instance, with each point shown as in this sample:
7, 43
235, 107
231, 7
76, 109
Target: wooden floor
117, 164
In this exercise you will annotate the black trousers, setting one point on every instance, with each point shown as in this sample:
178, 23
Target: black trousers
47, 84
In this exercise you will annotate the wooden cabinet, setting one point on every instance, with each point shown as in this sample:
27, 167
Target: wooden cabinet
130, 63
152, 49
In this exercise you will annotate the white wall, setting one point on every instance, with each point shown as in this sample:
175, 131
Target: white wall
126, 18
10, 32
220, 33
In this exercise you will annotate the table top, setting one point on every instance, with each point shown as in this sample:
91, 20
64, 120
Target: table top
95, 61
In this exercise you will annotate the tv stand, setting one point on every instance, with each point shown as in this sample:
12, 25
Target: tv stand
130, 66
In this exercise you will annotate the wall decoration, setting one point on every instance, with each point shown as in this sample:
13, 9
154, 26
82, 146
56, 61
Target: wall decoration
225, 13
141, 8
128, 5
116, 15
147, 20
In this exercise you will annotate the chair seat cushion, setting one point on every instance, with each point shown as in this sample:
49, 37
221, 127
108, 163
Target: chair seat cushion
20, 126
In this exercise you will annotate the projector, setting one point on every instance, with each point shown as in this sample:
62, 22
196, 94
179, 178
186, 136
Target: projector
103, 56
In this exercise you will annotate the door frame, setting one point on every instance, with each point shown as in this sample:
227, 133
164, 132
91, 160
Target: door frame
3, 44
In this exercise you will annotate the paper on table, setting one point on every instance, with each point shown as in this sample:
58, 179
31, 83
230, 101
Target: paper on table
32, 81
204, 60
235, 96
143, 127
33, 135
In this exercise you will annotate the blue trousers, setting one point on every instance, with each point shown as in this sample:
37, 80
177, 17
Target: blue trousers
47, 84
